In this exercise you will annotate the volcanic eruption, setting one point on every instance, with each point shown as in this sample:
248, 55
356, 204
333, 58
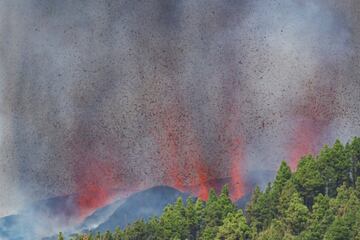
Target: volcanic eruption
104, 98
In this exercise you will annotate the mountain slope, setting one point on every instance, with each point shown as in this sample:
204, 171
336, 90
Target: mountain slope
141, 205
100, 215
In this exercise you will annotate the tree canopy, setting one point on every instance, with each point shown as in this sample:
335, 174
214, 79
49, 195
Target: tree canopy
318, 201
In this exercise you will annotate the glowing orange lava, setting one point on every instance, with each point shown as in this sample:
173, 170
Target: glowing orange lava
313, 114
184, 166
235, 151
202, 181
304, 142
94, 181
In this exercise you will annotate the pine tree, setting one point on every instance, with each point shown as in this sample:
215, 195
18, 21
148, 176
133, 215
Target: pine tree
296, 216
335, 167
285, 197
354, 148
193, 217
199, 211
338, 230
253, 213
282, 177
60, 236
308, 180
234, 227
261, 210
118, 235
107, 236
174, 222
274, 232
321, 217
225, 204
209, 233
136, 231
212, 212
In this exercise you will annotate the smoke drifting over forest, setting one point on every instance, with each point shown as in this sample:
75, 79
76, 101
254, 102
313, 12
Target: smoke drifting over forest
100, 95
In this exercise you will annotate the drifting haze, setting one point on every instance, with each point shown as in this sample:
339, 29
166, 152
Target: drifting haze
131, 94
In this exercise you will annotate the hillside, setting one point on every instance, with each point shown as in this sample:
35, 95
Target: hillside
318, 201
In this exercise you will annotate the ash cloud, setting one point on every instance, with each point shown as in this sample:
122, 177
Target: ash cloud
138, 86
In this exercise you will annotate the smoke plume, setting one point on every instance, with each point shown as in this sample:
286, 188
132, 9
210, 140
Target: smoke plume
122, 94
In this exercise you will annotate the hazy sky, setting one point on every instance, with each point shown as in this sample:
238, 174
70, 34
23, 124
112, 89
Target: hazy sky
139, 93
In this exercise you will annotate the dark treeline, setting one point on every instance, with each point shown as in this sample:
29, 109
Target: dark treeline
320, 200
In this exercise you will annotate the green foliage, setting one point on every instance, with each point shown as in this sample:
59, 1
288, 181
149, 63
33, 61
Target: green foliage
321, 217
264, 207
234, 227
282, 176
60, 236
330, 206
319, 201
296, 215
262, 211
193, 214
274, 232
354, 149
308, 179
137, 230
338, 230
335, 167
209, 233
285, 197
118, 234
174, 222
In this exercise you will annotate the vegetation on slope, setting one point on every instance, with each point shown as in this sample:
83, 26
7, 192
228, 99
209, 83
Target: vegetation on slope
319, 201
